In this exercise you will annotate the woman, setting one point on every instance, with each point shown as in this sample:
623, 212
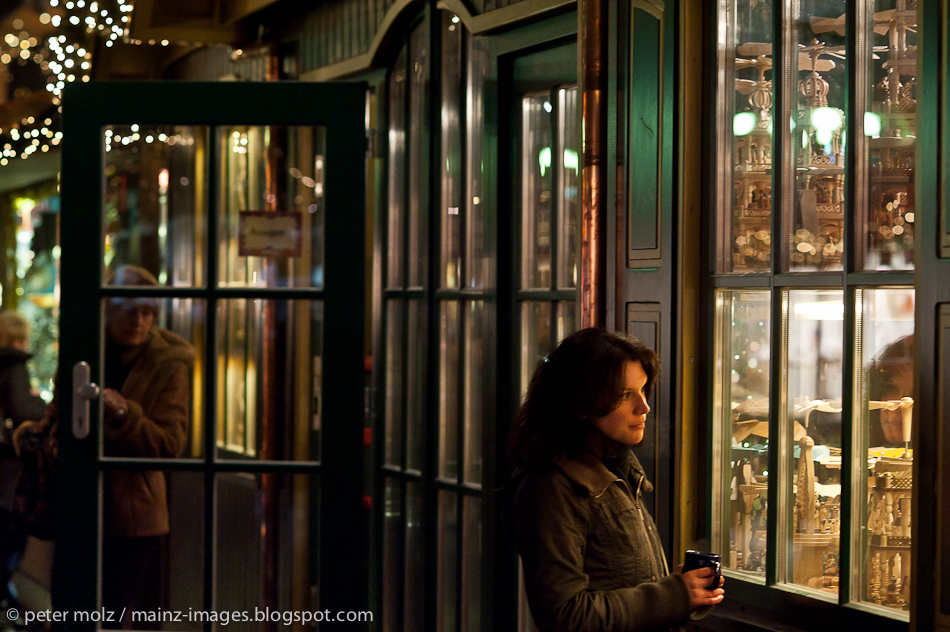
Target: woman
147, 397
591, 554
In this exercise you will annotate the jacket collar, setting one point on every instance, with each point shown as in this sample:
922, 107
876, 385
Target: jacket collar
588, 472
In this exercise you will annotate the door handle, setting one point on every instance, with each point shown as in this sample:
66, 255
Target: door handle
83, 392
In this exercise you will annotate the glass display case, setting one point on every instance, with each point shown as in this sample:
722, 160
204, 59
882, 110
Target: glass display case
743, 346
884, 384
812, 427
815, 76
813, 271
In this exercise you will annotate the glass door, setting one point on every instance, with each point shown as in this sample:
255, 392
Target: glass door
211, 378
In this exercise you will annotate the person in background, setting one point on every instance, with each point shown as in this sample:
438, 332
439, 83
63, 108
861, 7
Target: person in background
146, 399
890, 378
18, 403
590, 551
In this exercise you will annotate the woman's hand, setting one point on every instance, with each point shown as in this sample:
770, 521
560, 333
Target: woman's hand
116, 406
697, 581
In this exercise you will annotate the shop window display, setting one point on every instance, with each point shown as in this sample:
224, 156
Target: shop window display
787, 217
814, 166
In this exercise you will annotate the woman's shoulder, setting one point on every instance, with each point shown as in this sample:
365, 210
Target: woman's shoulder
546, 483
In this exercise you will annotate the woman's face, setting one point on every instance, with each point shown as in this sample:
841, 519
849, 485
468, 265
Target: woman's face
901, 384
129, 322
627, 422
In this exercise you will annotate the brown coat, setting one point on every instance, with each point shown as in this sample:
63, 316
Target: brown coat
158, 391
590, 552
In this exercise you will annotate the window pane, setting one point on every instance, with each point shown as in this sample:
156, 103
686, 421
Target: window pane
813, 423
414, 575
566, 319
535, 338
148, 572
479, 237
447, 584
745, 147
448, 390
479, 378
450, 166
270, 220
269, 386
568, 200
743, 362
818, 136
890, 129
536, 180
418, 152
163, 381
155, 204
884, 386
395, 396
395, 276
472, 564
392, 554
415, 385
272, 520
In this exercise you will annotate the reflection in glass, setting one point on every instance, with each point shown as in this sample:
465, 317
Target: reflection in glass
414, 575
448, 389
269, 386
270, 219
418, 247
471, 564
450, 163
890, 127
272, 520
743, 363
535, 338
479, 238
884, 384
745, 164
395, 393
479, 328
155, 200
566, 319
179, 554
395, 272
392, 568
813, 423
447, 584
818, 136
154, 360
537, 177
415, 387
568, 200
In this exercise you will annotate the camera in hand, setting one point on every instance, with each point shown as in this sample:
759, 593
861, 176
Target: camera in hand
702, 559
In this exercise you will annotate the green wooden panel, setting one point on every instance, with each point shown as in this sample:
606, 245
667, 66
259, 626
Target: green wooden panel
943, 408
928, 61
645, 144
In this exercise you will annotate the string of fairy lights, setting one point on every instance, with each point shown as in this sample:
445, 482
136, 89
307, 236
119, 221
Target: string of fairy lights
62, 53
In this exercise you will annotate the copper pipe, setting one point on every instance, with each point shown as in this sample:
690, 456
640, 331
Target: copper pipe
593, 274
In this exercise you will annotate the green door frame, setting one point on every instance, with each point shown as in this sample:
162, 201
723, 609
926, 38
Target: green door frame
517, 63
340, 107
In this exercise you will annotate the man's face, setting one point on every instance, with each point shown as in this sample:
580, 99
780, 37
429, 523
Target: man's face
129, 321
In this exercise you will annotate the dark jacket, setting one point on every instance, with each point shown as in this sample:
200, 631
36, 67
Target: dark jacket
17, 404
590, 551
158, 390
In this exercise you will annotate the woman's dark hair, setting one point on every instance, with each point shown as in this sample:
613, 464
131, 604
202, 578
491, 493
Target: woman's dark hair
896, 358
582, 379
